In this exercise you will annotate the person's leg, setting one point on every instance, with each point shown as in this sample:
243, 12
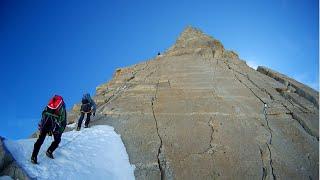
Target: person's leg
80, 120
87, 120
39, 142
54, 144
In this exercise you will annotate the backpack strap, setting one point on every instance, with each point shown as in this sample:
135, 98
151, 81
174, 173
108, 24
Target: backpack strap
58, 118
50, 114
62, 114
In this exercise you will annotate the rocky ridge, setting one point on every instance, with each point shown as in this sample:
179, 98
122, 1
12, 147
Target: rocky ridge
199, 112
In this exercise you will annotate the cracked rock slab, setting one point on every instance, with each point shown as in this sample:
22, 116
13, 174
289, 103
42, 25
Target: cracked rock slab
199, 112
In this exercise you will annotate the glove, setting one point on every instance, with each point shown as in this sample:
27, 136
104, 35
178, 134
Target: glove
94, 114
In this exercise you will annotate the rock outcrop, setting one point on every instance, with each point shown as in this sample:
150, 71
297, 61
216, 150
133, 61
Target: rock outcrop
8, 165
304, 100
199, 112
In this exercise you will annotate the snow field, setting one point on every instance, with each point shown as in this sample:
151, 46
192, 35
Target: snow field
93, 153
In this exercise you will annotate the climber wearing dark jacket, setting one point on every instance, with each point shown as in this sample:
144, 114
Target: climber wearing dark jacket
88, 106
53, 122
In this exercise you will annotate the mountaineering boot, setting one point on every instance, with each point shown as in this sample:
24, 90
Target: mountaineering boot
49, 154
78, 128
34, 160
86, 126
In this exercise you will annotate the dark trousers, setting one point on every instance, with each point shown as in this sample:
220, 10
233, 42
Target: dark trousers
81, 119
48, 126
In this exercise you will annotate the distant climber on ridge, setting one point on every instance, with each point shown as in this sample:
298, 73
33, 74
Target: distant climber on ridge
53, 122
88, 106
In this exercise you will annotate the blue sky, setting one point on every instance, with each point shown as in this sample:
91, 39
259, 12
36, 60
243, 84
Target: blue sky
69, 48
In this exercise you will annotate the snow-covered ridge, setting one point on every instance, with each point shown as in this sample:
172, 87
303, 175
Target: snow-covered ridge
93, 153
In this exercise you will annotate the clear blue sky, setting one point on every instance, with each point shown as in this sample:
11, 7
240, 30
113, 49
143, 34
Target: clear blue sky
70, 47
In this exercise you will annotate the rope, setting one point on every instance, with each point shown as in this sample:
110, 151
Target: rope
68, 142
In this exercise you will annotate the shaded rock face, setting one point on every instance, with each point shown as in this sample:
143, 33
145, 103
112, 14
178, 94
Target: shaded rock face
306, 100
8, 165
199, 112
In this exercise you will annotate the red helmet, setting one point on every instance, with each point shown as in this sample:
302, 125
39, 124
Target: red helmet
55, 102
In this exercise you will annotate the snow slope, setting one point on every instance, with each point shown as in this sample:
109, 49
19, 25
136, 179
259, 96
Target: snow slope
5, 178
93, 153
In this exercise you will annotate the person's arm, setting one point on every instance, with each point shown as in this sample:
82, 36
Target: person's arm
64, 119
94, 106
40, 124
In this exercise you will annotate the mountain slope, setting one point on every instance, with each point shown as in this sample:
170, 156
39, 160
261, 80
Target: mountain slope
199, 112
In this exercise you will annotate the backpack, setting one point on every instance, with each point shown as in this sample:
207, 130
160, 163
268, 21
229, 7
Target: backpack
86, 105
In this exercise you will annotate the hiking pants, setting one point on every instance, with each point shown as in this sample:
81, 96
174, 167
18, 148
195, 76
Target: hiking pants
81, 119
46, 128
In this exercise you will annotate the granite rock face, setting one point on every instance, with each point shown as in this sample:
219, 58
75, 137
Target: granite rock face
305, 98
199, 112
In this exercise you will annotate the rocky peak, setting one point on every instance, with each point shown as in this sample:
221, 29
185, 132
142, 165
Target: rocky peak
194, 41
191, 34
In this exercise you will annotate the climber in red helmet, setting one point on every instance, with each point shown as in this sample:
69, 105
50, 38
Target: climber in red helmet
53, 122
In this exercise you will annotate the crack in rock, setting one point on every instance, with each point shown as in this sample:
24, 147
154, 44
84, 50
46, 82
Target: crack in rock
159, 155
270, 161
301, 123
267, 166
264, 168
210, 149
265, 106
266, 119
295, 117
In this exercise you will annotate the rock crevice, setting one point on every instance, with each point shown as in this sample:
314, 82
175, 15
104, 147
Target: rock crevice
265, 106
159, 154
